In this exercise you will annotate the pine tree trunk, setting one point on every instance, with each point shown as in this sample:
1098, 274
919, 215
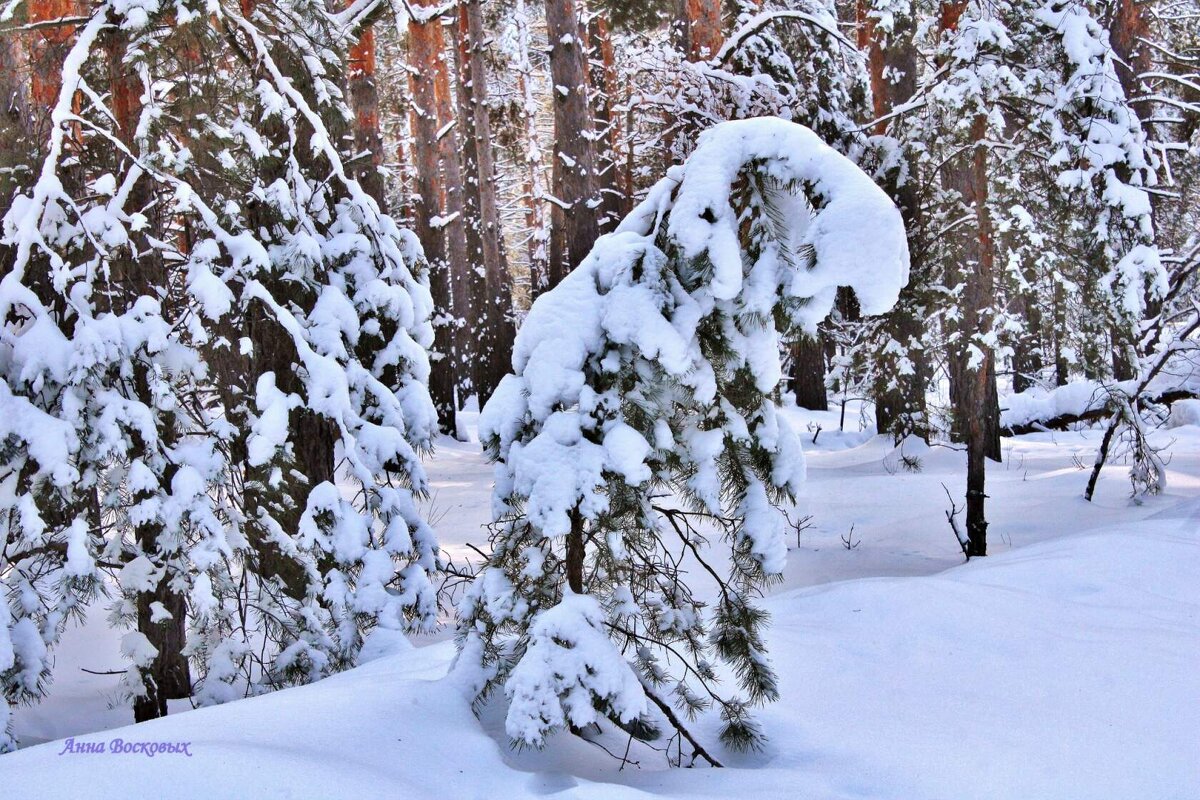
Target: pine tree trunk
808, 372
425, 49
48, 47
1028, 358
458, 259
900, 397
1127, 31
973, 372
495, 301
1061, 368
700, 28
364, 99
605, 87
575, 554
472, 275
530, 154
891, 59
168, 676
573, 227
979, 408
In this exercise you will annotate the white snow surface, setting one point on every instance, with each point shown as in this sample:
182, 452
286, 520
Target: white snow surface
1063, 665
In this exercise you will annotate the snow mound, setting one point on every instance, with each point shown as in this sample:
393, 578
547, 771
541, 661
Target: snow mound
1058, 670
1184, 412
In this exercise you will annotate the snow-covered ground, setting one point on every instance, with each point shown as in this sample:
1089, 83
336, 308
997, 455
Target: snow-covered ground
1062, 666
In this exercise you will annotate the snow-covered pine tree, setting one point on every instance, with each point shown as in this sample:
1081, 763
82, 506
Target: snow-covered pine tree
1104, 166
640, 428
214, 356
782, 58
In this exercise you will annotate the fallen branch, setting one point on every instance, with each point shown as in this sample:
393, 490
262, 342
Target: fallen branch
1128, 405
665, 708
1063, 422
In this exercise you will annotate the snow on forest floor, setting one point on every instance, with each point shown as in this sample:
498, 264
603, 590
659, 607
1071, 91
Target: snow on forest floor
1064, 665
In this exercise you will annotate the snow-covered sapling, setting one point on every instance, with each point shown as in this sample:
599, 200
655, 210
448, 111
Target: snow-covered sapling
640, 428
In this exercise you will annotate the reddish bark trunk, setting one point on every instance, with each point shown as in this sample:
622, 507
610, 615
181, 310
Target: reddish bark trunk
425, 48
364, 98
701, 28
457, 253
1129, 26
900, 403
950, 14
47, 49
605, 86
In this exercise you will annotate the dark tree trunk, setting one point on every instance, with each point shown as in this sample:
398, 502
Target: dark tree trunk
1061, 371
574, 226
808, 372
495, 301
1122, 364
900, 397
973, 369
1027, 349
168, 676
425, 51
472, 274
575, 553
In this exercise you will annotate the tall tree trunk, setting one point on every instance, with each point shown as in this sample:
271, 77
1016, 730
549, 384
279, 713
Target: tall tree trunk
1028, 351
472, 274
808, 372
364, 99
48, 47
573, 227
1128, 29
425, 51
899, 394
495, 301
461, 267
973, 370
605, 87
168, 676
536, 220
1061, 368
700, 29
978, 407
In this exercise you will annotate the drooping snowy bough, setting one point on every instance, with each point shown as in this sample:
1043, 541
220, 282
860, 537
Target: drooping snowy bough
213, 362
640, 426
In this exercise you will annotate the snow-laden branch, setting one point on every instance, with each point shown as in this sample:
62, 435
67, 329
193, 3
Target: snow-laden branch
762, 20
23, 222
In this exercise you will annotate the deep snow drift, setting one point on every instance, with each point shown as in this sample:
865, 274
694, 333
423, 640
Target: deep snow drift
1064, 665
